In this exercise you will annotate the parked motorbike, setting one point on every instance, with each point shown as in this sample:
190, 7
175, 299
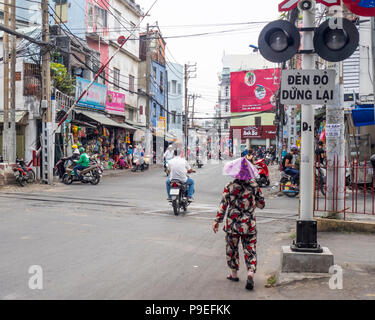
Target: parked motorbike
23, 173
291, 188
91, 175
264, 175
179, 196
199, 162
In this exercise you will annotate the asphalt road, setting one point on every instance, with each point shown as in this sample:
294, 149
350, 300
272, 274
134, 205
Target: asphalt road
120, 240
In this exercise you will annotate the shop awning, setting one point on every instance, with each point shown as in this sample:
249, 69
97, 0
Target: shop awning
102, 119
19, 116
363, 115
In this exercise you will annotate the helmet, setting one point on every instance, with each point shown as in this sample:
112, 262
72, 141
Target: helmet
81, 150
74, 146
246, 152
294, 148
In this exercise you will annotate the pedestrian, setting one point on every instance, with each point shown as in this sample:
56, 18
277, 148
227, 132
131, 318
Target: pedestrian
130, 156
239, 200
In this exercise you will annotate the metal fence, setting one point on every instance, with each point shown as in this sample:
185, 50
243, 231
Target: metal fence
347, 188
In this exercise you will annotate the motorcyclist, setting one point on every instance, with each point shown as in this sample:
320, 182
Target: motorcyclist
179, 168
76, 154
288, 164
249, 154
82, 163
169, 154
138, 156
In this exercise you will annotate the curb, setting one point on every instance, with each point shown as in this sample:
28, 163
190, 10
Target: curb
325, 225
283, 278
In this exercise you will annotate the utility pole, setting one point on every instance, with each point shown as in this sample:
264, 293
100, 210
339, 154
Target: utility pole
193, 97
47, 126
149, 147
187, 76
12, 134
6, 85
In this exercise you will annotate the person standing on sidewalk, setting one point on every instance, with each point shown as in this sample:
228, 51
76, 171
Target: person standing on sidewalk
130, 156
239, 200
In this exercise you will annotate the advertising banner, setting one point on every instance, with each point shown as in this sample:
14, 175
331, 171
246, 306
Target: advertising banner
254, 91
115, 103
95, 97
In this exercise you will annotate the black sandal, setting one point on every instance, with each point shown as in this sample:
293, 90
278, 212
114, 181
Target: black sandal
250, 283
229, 277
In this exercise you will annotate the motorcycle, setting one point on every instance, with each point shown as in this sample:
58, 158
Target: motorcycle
264, 175
23, 173
141, 164
91, 175
166, 168
291, 188
179, 196
199, 162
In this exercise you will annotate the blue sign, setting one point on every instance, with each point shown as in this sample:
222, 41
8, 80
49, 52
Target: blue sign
95, 97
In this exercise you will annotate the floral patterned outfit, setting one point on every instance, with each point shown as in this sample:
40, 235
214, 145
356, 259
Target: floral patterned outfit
240, 198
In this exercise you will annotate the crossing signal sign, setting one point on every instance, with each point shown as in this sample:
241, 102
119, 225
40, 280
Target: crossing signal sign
288, 5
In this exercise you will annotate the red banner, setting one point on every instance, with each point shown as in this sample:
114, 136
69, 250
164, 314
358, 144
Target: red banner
253, 91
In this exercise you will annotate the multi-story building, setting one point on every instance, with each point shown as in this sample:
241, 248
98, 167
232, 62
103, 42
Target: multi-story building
175, 99
155, 91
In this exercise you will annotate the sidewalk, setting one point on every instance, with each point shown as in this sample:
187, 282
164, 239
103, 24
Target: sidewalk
354, 253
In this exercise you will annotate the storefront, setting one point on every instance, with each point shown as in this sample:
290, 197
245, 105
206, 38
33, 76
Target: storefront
21, 123
104, 136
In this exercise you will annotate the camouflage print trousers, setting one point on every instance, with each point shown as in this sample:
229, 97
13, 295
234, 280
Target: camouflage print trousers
249, 248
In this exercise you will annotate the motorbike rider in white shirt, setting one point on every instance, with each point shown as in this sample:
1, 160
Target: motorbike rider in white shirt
179, 168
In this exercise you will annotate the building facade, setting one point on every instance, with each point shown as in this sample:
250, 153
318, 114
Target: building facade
175, 99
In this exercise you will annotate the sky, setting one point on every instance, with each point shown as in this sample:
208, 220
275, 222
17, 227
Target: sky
176, 17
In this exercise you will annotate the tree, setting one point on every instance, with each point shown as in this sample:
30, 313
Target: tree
61, 79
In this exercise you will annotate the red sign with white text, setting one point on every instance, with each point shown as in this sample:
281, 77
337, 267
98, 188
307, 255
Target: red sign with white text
256, 132
253, 91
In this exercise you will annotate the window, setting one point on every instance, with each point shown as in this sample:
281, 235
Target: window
226, 107
179, 118
131, 83
117, 21
90, 16
140, 110
161, 111
161, 81
100, 18
174, 86
154, 109
258, 121
227, 91
154, 72
116, 78
226, 124
179, 88
173, 117
131, 114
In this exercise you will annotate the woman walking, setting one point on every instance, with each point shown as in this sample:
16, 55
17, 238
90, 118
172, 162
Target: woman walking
240, 198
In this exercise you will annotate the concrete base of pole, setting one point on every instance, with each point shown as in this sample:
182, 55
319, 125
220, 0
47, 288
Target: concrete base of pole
305, 262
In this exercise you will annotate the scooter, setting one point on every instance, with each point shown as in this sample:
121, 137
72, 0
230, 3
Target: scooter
91, 175
166, 168
179, 196
264, 175
23, 173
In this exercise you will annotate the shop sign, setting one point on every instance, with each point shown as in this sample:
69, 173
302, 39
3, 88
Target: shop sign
95, 97
115, 103
250, 132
